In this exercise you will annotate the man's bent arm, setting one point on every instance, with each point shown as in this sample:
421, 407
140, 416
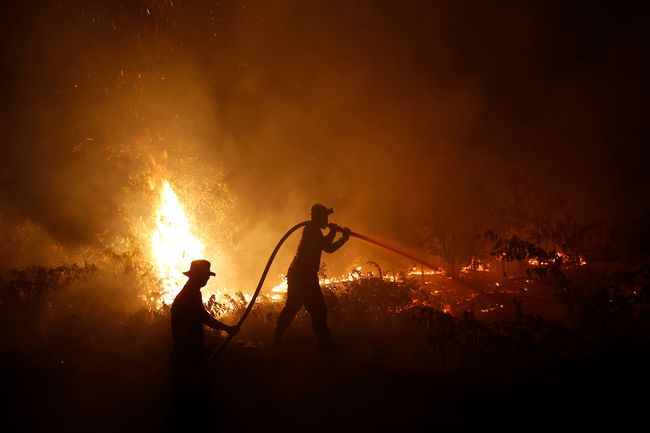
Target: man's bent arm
333, 246
329, 237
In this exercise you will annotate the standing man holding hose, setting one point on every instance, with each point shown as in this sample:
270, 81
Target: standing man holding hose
302, 277
191, 395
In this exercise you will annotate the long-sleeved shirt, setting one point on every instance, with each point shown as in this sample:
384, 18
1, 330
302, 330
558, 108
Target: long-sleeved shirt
188, 317
308, 254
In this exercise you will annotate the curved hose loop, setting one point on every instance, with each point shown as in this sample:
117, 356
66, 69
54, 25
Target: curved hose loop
258, 289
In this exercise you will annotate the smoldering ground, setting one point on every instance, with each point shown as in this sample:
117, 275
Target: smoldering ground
421, 122
84, 357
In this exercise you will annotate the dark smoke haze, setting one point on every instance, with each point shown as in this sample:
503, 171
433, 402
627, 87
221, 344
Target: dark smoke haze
400, 115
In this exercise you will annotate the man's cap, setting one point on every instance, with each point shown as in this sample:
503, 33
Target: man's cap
320, 210
199, 268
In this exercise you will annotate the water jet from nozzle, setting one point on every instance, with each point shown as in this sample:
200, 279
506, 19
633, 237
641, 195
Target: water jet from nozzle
391, 248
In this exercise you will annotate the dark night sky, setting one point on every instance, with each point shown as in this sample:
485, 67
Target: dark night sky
392, 112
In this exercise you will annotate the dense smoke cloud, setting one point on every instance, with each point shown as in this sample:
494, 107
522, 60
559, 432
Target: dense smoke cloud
398, 114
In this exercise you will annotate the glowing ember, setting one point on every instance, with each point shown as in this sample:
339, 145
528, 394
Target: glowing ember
476, 266
173, 244
414, 270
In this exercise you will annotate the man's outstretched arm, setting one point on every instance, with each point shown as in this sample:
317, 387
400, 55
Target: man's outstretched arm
213, 323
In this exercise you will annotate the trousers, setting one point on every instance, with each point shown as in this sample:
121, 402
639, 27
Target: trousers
305, 290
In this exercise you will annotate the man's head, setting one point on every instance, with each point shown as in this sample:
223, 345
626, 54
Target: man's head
319, 214
199, 272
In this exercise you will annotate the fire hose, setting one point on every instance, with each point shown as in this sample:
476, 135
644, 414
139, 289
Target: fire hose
243, 317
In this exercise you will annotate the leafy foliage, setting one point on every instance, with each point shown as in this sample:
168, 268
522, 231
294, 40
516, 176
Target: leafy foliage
39, 283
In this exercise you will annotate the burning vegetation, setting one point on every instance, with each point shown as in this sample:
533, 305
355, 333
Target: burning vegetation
173, 245
514, 305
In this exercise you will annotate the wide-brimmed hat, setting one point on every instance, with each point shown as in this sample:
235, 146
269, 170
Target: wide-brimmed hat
199, 268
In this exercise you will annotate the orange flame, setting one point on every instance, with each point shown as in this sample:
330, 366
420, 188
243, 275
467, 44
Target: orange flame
173, 244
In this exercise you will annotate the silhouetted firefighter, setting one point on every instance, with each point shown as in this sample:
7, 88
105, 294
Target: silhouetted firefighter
191, 392
302, 277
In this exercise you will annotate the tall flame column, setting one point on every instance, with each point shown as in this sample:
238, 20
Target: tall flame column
173, 244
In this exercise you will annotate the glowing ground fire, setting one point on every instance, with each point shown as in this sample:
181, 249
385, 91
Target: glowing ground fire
173, 244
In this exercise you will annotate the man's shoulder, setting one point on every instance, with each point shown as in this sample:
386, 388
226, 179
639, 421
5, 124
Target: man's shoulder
312, 229
185, 295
